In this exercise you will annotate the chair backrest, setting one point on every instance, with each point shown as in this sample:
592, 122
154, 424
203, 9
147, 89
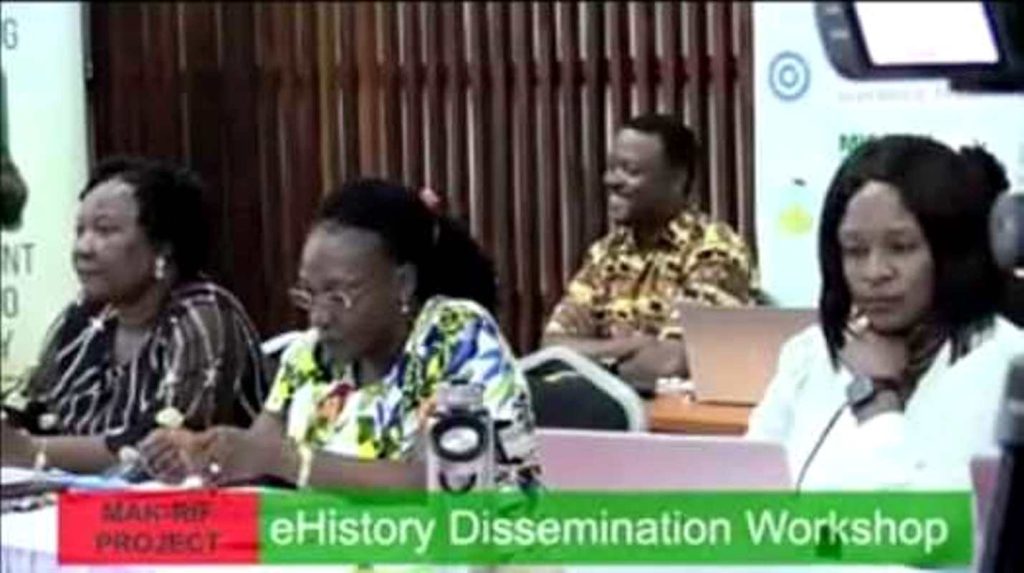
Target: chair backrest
273, 347
571, 391
589, 460
732, 351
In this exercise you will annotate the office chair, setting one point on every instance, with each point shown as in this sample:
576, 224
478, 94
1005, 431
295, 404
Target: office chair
569, 390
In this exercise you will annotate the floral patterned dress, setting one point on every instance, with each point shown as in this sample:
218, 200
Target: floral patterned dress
452, 340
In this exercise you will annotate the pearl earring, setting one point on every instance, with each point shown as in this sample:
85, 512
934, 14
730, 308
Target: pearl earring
160, 270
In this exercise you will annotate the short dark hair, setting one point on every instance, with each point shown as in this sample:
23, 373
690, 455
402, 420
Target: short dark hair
447, 259
172, 211
678, 141
951, 204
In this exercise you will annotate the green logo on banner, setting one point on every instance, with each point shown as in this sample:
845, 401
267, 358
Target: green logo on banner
851, 141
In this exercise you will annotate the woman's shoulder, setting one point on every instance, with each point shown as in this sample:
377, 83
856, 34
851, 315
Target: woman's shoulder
301, 347
200, 291
204, 298
1006, 333
451, 319
444, 308
807, 344
1001, 341
79, 315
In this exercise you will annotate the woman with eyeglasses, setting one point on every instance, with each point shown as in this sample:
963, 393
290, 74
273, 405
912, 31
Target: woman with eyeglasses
399, 302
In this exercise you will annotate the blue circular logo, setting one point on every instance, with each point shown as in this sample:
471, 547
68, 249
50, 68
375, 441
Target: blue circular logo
789, 76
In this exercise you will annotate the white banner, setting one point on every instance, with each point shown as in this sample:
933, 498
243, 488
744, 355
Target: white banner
807, 118
44, 109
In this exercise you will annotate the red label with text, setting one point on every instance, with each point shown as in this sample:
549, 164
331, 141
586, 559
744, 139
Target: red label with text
200, 526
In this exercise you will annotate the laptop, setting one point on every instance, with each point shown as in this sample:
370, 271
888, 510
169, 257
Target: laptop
732, 352
601, 460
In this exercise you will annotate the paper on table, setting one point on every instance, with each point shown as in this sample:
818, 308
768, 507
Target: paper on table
13, 475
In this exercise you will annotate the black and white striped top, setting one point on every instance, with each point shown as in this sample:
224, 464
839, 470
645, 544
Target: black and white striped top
202, 356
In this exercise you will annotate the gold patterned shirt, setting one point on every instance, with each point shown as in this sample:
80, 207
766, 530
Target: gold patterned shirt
621, 288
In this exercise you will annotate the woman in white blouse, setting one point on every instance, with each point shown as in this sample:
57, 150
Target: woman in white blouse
899, 385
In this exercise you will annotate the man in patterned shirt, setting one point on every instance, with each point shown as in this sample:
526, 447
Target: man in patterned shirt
622, 307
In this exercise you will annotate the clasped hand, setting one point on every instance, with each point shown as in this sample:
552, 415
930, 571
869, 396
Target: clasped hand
219, 455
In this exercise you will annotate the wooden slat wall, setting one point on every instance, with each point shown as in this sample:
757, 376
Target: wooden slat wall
507, 110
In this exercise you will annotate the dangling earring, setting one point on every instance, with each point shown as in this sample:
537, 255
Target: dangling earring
160, 270
406, 308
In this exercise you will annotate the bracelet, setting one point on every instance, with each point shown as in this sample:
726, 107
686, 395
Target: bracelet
40, 461
305, 466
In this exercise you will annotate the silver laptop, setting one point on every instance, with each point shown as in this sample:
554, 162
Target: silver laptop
599, 460
732, 352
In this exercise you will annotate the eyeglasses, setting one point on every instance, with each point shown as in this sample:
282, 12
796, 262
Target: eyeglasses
305, 299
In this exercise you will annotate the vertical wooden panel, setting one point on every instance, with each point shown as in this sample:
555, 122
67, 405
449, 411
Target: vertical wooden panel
391, 112
644, 37
98, 88
620, 73
671, 60
480, 126
349, 140
571, 199
696, 85
500, 177
327, 93
525, 177
281, 24
436, 125
160, 87
278, 102
412, 95
722, 180
549, 154
206, 109
126, 63
457, 184
370, 90
306, 123
595, 140
745, 125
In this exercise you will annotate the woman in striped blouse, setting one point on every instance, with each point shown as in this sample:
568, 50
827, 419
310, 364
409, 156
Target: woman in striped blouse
150, 342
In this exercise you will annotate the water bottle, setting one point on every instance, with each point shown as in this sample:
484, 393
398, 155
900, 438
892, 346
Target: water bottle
460, 441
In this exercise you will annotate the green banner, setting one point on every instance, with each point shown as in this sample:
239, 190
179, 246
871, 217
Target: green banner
920, 529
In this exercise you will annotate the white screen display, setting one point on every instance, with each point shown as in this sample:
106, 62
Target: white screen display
930, 33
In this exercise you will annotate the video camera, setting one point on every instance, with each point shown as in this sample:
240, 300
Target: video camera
978, 46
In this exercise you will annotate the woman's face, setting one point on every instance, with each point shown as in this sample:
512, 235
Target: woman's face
351, 290
887, 261
112, 256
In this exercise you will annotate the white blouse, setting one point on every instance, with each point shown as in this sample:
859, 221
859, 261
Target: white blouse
949, 419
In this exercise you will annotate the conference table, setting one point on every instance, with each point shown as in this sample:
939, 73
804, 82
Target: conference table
681, 413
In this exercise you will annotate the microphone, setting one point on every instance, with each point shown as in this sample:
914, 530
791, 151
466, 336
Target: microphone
1006, 232
1003, 550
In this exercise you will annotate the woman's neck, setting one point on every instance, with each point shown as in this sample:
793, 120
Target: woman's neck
376, 365
141, 311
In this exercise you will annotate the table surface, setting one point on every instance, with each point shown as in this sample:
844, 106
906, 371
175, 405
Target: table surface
681, 414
